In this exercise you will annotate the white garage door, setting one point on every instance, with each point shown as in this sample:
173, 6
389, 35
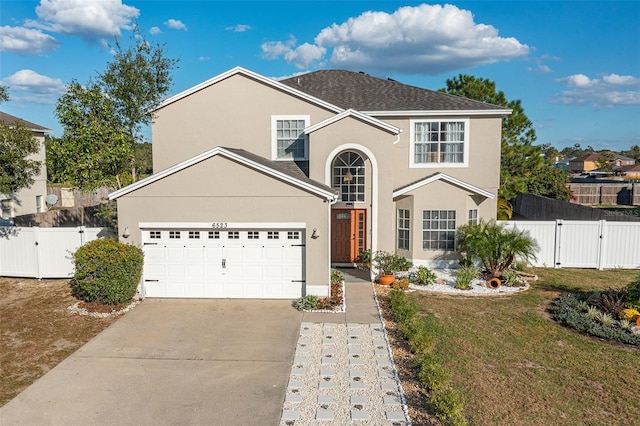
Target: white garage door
229, 263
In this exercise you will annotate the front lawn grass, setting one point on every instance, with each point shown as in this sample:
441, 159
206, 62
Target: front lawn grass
37, 332
516, 366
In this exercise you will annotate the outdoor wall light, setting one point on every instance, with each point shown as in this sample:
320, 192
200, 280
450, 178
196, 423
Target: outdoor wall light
126, 233
315, 233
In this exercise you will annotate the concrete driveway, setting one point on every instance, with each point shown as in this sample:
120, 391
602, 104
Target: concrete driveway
172, 362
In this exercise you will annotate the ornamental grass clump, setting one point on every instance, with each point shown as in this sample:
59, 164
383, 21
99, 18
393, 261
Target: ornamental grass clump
107, 271
465, 275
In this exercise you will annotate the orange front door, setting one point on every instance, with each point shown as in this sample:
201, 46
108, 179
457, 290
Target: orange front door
348, 234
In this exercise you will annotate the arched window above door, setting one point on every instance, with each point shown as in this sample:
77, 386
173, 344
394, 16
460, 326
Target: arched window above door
349, 176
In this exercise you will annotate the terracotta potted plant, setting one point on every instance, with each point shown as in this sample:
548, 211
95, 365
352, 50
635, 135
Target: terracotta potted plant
387, 264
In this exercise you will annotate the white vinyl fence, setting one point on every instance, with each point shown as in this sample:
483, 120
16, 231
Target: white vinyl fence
42, 252
584, 244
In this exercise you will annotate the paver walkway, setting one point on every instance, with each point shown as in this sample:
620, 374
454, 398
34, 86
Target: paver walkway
342, 372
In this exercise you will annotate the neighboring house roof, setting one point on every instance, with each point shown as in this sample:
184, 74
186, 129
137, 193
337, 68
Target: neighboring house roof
444, 177
362, 92
284, 170
629, 168
12, 120
623, 158
594, 156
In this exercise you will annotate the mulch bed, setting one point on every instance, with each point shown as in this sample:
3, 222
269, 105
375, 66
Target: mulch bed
417, 398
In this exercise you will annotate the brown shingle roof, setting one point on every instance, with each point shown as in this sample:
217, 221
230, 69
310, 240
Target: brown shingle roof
12, 120
362, 92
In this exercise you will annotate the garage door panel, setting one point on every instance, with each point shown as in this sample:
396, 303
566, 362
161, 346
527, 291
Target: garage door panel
228, 264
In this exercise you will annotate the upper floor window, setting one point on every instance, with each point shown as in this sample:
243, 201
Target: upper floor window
348, 176
437, 143
289, 142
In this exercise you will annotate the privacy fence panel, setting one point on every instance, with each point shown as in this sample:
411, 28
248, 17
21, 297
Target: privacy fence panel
42, 252
584, 244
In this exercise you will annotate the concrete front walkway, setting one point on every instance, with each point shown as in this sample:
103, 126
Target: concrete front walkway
172, 362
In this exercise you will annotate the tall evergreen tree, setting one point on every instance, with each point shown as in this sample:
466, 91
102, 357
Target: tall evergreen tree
523, 167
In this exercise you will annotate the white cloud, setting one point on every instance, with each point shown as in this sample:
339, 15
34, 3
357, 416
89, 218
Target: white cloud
24, 41
155, 30
540, 69
275, 49
622, 80
204, 58
37, 88
240, 28
606, 92
89, 19
426, 39
175, 24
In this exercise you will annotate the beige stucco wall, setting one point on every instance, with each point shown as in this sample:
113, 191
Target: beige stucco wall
438, 195
376, 146
24, 201
483, 169
235, 112
221, 190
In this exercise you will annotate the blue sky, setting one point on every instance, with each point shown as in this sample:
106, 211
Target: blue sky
575, 65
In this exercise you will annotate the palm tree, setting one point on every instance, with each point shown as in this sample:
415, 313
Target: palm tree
495, 247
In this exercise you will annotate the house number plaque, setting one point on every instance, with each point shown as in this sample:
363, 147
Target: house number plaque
219, 225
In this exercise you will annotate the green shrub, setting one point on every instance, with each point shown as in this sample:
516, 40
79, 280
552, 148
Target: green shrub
336, 276
510, 278
431, 373
447, 404
464, 276
401, 284
633, 294
566, 310
403, 309
107, 271
307, 303
419, 331
422, 276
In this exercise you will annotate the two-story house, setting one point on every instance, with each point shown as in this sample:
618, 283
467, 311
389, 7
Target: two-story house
260, 186
31, 199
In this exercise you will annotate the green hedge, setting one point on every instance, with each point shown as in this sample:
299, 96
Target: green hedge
107, 271
422, 333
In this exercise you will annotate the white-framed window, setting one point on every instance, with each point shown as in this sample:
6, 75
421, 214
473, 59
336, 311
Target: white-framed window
439, 143
233, 235
288, 140
214, 235
473, 216
7, 208
155, 235
403, 229
273, 235
253, 235
438, 229
194, 235
348, 176
174, 235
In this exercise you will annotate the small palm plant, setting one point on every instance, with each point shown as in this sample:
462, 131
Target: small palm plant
495, 247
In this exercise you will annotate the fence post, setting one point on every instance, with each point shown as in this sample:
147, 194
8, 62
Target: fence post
82, 235
36, 252
602, 244
558, 246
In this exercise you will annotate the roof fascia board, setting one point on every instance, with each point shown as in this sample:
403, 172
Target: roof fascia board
422, 113
231, 155
358, 115
446, 178
247, 73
